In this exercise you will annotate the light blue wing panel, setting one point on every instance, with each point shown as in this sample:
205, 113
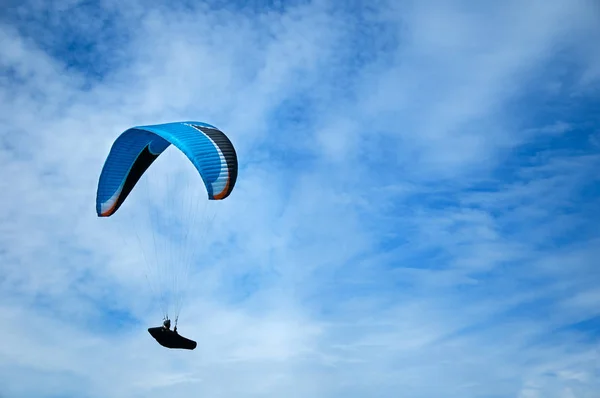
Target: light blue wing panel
135, 150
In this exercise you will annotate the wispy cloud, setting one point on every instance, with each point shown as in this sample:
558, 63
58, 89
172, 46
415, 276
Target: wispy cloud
416, 212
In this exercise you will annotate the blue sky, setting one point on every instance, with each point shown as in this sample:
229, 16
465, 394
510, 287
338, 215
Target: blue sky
416, 213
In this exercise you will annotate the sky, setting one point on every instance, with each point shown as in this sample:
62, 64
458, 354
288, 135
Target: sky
416, 212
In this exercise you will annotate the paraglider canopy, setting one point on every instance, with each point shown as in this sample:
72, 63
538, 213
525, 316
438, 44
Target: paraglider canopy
208, 148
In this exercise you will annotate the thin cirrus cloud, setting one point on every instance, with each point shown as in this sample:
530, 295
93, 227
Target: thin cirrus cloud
417, 198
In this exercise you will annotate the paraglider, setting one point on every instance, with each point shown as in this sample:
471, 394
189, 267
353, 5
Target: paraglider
135, 150
170, 338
